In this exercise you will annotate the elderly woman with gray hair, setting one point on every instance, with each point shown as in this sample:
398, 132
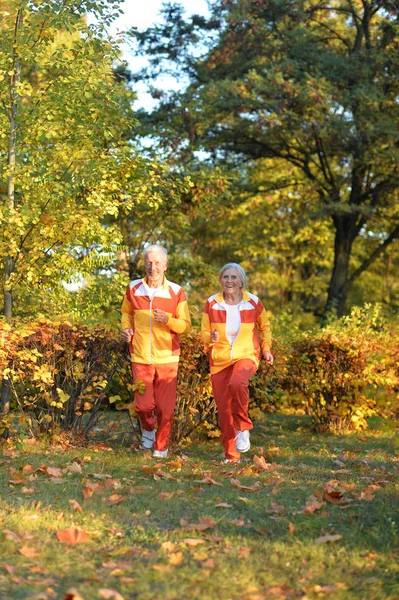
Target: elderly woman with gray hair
230, 325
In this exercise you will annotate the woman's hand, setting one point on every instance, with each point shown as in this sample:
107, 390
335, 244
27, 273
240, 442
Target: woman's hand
268, 356
215, 336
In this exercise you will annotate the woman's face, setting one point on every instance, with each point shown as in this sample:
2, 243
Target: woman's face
230, 281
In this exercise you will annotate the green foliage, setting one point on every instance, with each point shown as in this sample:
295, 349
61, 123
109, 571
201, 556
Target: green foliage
302, 94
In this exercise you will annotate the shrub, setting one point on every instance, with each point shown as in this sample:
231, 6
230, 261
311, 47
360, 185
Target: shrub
342, 372
60, 374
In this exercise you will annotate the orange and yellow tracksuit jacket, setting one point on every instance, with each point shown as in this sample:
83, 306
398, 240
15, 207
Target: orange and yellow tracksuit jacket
246, 345
153, 342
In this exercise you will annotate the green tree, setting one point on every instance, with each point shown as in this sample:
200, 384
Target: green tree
308, 82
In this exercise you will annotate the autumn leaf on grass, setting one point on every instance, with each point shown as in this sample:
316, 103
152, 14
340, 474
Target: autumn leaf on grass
162, 475
87, 492
175, 558
277, 509
312, 504
247, 488
110, 594
328, 589
75, 505
262, 465
114, 499
55, 472
223, 505
192, 541
334, 493
28, 551
73, 468
168, 546
204, 524
208, 481
324, 539
368, 493
72, 535
72, 594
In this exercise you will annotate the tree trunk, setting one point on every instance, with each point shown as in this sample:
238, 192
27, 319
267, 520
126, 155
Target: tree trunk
15, 78
339, 283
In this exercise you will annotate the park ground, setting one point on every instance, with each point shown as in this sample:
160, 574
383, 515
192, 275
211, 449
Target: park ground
303, 516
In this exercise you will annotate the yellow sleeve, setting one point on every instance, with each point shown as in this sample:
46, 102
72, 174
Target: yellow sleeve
182, 322
206, 329
127, 314
265, 330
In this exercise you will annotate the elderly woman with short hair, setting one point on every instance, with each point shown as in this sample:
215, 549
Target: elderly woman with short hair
230, 325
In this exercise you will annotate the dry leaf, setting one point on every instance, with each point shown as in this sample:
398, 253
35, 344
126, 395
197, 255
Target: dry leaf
324, 539
208, 481
175, 558
204, 524
192, 541
72, 535
276, 508
87, 492
168, 546
28, 551
223, 505
312, 504
110, 594
54, 472
291, 529
115, 499
262, 465
72, 594
247, 488
75, 505
73, 468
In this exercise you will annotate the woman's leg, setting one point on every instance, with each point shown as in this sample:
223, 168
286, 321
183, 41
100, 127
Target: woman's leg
221, 393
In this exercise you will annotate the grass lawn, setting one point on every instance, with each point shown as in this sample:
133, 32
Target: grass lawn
313, 517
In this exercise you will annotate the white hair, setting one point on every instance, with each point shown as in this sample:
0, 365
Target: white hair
155, 248
238, 268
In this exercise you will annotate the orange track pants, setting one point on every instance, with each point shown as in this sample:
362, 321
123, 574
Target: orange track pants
157, 404
230, 390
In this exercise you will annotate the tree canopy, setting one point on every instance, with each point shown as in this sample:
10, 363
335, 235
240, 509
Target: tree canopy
308, 85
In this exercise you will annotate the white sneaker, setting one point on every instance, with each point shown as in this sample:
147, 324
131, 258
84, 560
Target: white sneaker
160, 453
147, 439
242, 441
232, 461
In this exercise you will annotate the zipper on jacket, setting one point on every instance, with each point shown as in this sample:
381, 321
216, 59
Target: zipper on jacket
239, 329
151, 299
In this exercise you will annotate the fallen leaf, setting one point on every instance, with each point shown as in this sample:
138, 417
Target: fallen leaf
87, 492
247, 488
204, 524
72, 535
324, 539
291, 529
54, 472
223, 505
110, 594
75, 505
28, 551
168, 546
175, 558
192, 541
208, 481
73, 468
276, 508
262, 465
115, 499
312, 504
71, 594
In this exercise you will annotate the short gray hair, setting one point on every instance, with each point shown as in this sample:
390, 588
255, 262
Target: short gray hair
238, 268
155, 248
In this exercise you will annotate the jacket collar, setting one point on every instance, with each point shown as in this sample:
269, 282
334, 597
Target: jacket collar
164, 285
245, 297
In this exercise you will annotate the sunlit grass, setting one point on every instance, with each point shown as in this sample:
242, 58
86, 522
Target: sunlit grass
166, 530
